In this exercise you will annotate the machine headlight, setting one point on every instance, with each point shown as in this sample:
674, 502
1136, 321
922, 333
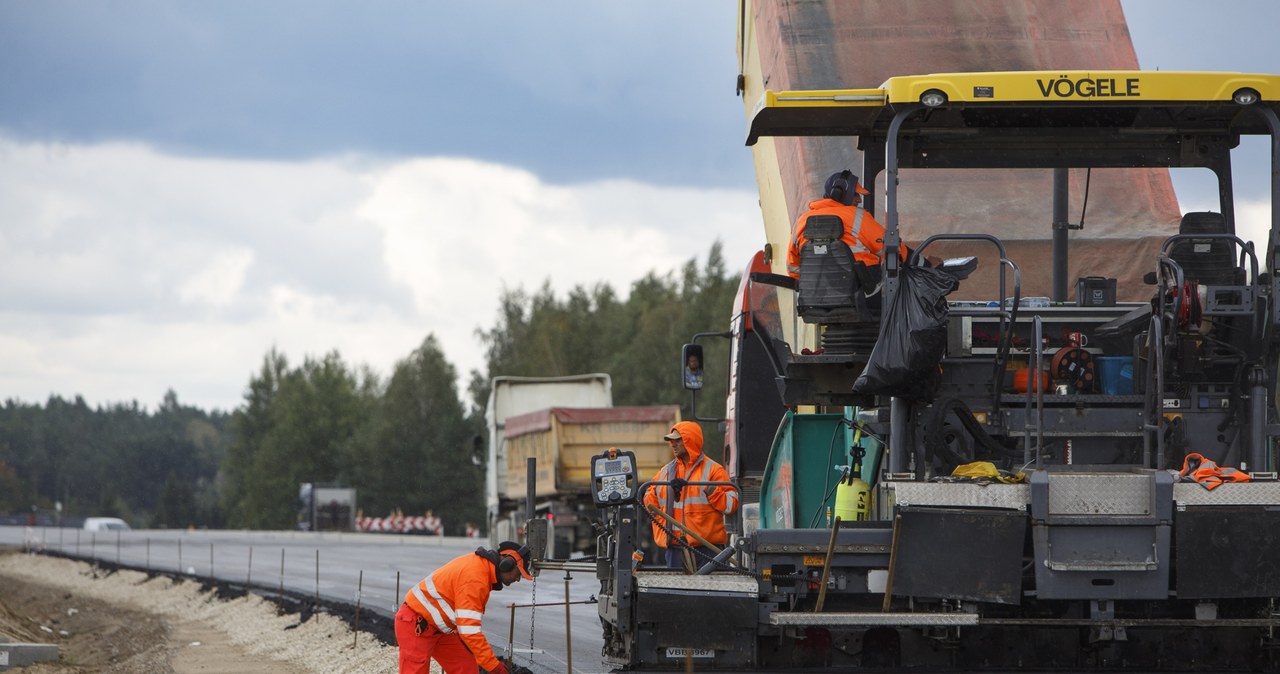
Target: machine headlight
933, 98
1245, 97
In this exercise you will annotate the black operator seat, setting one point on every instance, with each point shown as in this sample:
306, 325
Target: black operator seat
830, 288
1211, 262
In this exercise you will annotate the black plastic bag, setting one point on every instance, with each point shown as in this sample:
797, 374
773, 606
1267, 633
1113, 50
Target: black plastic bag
913, 337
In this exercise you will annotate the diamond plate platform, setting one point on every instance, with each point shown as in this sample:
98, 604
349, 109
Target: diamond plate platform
959, 494
650, 581
1231, 493
1099, 494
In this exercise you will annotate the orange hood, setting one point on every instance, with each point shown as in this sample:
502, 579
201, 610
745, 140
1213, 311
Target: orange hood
691, 433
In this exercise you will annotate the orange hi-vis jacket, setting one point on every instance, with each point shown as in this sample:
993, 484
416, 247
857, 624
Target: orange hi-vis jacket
452, 599
701, 508
862, 234
1208, 473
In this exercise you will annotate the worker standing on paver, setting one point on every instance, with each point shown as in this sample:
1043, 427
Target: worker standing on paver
441, 615
700, 508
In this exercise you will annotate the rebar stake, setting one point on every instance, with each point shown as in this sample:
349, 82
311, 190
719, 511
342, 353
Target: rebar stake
568, 639
359, 592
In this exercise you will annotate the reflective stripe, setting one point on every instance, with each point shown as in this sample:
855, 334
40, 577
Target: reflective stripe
468, 614
680, 498
795, 248
468, 629
450, 619
435, 614
700, 499
444, 603
856, 230
670, 473
700, 463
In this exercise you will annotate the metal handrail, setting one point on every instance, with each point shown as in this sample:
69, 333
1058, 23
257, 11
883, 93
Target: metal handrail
1008, 309
1035, 380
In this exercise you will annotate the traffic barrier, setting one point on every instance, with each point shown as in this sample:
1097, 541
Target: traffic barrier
428, 525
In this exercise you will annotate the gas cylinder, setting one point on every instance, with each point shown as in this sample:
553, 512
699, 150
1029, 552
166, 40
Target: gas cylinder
853, 494
853, 499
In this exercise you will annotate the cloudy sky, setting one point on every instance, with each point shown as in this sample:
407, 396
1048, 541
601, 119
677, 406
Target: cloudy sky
186, 185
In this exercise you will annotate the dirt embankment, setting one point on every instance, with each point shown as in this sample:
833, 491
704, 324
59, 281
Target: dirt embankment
127, 621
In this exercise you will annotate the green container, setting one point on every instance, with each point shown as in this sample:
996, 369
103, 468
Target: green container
800, 472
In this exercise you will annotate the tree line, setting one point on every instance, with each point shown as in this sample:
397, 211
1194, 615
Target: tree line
410, 441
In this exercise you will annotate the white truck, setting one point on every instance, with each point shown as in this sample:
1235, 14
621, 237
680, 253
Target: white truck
512, 396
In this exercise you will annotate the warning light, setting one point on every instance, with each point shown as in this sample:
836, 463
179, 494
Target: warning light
551, 517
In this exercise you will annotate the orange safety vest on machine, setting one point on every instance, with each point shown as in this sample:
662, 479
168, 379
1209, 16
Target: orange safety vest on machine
1210, 475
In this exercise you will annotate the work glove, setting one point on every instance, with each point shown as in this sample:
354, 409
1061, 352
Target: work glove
500, 669
678, 485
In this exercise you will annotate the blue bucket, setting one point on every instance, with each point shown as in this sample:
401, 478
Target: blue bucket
1116, 375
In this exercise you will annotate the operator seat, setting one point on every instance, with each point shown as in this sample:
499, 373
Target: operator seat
831, 288
1207, 261
830, 285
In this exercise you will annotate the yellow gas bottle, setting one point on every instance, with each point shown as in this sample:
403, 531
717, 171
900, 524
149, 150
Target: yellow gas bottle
853, 494
853, 499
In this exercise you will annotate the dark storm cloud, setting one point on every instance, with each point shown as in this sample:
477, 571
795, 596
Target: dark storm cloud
572, 91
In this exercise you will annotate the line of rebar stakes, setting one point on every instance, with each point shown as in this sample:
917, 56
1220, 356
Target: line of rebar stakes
359, 598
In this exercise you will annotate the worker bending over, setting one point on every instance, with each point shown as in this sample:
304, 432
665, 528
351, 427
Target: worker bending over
441, 615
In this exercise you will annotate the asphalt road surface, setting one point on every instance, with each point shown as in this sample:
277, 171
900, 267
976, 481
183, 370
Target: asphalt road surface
375, 569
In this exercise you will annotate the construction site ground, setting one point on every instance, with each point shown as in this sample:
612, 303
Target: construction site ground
117, 620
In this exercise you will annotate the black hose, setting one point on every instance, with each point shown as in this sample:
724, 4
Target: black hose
936, 445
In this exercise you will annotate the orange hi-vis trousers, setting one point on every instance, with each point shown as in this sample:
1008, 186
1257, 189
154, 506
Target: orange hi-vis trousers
417, 649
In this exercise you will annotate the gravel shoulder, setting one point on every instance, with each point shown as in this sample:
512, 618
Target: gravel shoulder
127, 621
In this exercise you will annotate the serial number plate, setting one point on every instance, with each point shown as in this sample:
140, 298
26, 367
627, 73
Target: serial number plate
690, 653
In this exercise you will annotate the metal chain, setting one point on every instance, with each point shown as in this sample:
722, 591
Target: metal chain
533, 611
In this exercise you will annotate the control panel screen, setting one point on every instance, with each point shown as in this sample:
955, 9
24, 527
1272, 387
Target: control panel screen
613, 476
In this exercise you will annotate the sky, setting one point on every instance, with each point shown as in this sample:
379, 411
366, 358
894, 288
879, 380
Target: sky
187, 185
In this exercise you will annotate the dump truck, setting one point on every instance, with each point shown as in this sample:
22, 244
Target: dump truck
974, 477
562, 440
511, 396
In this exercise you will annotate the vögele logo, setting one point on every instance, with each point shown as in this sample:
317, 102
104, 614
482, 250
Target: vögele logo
1089, 87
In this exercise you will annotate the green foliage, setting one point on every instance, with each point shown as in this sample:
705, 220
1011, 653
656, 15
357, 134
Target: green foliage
105, 461
177, 506
636, 341
296, 426
411, 445
417, 455
13, 492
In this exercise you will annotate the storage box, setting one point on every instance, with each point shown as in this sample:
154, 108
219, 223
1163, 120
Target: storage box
1095, 291
1116, 375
